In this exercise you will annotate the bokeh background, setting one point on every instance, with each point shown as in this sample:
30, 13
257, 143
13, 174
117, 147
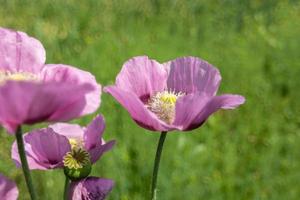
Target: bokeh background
252, 152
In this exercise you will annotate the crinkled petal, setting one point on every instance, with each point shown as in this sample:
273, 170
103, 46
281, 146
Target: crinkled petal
8, 189
142, 76
97, 151
44, 149
188, 107
191, 74
138, 111
71, 131
71, 75
192, 111
28, 103
92, 188
30, 159
93, 133
93, 141
20, 52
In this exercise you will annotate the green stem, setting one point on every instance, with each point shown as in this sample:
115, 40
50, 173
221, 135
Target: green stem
25, 168
66, 189
156, 164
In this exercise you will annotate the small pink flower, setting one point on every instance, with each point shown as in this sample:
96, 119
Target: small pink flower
46, 148
91, 188
32, 91
8, 189
176, 95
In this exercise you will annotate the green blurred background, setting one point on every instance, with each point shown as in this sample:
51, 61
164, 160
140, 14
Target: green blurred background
252, 152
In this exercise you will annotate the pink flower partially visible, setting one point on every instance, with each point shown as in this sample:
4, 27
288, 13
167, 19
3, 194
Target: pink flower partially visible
176, 95
46, 148
32, 91
8, 189
91, 188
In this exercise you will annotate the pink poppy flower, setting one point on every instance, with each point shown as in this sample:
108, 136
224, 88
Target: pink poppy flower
91, 188
8, 189
176, 95
48, 148
32, 91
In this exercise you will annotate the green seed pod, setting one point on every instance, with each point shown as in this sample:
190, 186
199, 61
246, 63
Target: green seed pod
77, 164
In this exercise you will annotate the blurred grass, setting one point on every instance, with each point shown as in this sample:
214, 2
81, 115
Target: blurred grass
249, 153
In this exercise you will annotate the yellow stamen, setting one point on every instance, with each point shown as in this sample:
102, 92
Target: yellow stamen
163, 105
76, 143
17, 76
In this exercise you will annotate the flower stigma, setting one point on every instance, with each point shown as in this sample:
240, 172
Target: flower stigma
77, 163
76, 159
163, 105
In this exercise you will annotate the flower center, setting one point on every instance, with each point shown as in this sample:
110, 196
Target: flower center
17, 76
163, 105
77, 164
76, 159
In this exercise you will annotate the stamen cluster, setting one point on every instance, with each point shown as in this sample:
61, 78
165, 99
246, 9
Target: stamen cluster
76, 143
163, 105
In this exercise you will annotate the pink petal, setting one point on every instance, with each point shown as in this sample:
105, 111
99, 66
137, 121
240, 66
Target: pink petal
138, 111
28, 103
44, 148
30, 159
188, 107
93, 141
71, 131
8, 189
20, 52
97, 151
227, 101
93, 132
90, 188
71, 75
193, 110
142, 76
191, 74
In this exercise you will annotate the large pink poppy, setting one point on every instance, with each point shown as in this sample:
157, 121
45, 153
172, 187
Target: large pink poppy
32, 91
176, 95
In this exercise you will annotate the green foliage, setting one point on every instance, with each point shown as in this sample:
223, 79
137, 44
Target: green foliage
250, 153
